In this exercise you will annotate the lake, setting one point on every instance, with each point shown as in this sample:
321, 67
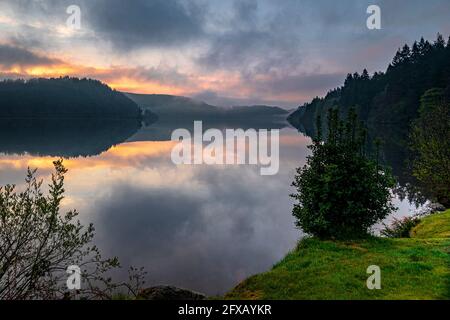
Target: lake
201, 227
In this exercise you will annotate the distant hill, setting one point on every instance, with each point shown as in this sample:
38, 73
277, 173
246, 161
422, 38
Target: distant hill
256, 110
64, 98
67, 97
173, 106
168, 107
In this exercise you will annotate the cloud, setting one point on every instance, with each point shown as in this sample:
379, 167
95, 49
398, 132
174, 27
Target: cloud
17, 62
256, 39
244, 51
290, 84
278, 89
15, 56
144, 23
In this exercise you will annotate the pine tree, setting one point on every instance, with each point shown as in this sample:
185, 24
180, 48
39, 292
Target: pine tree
405, 54
348, 79
440, 42
365, 75
397, 59
422, 46
415, 52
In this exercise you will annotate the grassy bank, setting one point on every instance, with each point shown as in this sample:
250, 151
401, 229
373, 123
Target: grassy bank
411, 268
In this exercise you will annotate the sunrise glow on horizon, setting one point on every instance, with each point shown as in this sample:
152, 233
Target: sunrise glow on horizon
233, 53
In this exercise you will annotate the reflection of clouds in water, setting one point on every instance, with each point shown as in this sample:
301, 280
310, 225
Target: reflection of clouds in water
123, 155
198, 226
206, 241
404, 209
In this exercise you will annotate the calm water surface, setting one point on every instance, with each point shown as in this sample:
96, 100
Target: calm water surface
200, 227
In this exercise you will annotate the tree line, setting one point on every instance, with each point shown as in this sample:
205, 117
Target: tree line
408, 106
391, 97
63, 97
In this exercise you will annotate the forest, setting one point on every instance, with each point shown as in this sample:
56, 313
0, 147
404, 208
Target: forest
64, 97
390, 97
389, 103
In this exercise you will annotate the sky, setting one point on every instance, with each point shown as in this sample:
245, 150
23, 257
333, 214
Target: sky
223, 52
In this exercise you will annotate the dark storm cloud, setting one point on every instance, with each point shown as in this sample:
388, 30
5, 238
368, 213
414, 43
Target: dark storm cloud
10, 56
142, 23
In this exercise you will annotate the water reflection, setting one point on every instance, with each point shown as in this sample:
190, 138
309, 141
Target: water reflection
202, 227
63, 137
395, 152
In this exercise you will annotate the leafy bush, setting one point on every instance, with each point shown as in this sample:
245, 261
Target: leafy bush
38, 243
400, 228
341, 192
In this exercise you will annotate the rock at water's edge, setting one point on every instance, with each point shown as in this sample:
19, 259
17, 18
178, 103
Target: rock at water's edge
436, 207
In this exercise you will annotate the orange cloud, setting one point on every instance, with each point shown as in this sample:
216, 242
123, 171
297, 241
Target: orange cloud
142, 80
138, 86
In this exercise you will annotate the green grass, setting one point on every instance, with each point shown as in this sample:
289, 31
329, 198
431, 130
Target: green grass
413, 268
434, 226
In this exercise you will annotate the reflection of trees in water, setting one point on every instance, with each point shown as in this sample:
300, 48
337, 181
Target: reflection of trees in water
162, 130
63, 137
90, 137
394, 153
